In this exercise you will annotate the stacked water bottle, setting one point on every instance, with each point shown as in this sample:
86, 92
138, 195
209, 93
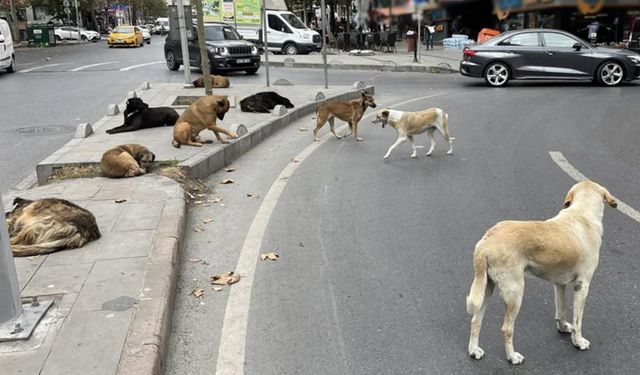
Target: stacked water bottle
457, 41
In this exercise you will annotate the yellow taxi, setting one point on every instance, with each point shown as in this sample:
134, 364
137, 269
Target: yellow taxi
124, 35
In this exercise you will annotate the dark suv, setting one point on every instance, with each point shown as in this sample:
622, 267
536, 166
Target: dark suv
226, 49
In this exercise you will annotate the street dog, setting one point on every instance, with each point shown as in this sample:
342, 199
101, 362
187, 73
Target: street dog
563, 250
199, 116
217, 82
349, 111
409, 124
47, 225
126, 161
264, 102
138, 116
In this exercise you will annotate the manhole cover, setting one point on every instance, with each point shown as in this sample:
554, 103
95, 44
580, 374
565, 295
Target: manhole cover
37, 130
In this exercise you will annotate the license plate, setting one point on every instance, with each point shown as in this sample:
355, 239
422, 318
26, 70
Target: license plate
243, 61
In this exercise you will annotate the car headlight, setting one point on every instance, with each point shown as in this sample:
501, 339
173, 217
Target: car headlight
634, 58
222, 51
254, 50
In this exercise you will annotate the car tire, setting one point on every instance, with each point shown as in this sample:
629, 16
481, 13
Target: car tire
172, 63
497, 74
83, 38
110, 45
290, 49
149, 41
610, 74
12, 66
251, 72
58, 39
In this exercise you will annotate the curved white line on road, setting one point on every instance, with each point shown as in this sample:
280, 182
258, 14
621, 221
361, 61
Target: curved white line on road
141, 65
39, 67
231, 353
569, 169
91, 66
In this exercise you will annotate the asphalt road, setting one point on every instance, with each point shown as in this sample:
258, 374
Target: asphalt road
376, 255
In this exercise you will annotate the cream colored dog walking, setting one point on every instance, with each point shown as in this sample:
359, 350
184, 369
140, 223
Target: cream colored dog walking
409, 124
563, 250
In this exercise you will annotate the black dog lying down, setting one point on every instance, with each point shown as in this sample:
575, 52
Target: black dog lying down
138, 115
263, 102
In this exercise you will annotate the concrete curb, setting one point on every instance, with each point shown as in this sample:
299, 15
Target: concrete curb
378, 67
204, 165
146, 344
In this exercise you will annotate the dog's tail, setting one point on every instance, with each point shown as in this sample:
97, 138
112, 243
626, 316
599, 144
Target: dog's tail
476, 295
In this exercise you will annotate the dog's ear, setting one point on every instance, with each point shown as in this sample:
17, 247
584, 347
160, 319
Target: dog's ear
153, 156
385, 112
568, 199
611, 201
363, 93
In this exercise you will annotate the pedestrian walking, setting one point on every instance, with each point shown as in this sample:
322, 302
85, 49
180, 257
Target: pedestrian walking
428, 36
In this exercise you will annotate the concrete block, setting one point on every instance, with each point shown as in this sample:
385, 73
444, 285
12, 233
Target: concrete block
256, 137
146, 85
282, 82
244, 145
288, 62
132, 94
279, 110
320, 96
112, 110
231, 153
239, 129
335, 62
215, 162
83, 130
359, 85
389, 65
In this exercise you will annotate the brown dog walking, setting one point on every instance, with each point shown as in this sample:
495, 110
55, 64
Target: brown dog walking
349, 111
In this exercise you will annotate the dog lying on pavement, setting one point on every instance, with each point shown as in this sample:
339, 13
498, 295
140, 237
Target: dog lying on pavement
138, 116
199, 116
264, 102
47, 225
126, 161
563, 250
349, 111
409, 124
217, 82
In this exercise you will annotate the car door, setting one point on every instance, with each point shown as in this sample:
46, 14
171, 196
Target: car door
565, 56
194, 48
277, 31
524, 53
5, 53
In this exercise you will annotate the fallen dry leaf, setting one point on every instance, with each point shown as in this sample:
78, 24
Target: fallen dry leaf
294, 160
207, 221
251, 195
198, 229
227, 181
198, 293
226, 278
120, 200
270, 256
303, 129
198, 260
229, 169
215, 200
216, 289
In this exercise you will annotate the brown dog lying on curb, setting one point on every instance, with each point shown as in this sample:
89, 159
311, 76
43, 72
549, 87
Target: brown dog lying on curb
47, 225
563, 250
199, 116
217, 82
349, 111
126, 161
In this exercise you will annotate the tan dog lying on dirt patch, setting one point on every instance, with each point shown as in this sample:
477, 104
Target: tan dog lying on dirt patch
126, 161
47, 225
563, 250
217, 82
199, 116
409, 124
350, 111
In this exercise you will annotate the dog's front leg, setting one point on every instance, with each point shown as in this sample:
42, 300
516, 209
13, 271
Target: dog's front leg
561, 309
581, 290
413, 145
354, 126
216, 130
332, 127
401, 138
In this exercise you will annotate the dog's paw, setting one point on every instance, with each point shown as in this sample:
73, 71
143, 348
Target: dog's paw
110, 131
563, 327
233, 135
316, 139
386, 157
210, 141
414, 155
580, 342
338, 137
450, 152
516, 358
429, 153
359, 139
476, 353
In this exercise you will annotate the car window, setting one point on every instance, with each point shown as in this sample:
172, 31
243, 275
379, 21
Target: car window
558, 40
123, 30
293, 20
524, 39
275, 23
220, 33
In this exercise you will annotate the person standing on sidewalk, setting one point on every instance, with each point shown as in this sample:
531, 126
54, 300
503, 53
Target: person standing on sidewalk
428, 36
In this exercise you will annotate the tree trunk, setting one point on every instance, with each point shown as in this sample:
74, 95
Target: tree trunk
204, 54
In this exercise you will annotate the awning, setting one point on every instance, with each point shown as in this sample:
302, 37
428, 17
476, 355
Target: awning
396, 11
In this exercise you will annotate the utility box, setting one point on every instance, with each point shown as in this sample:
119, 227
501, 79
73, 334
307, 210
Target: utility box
41, 35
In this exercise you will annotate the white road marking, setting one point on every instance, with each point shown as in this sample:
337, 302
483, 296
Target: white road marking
569, 169
91, 66
39, 67
232, 344
141, 65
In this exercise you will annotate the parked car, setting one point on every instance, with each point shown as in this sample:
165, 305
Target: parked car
146, 35
162, 26
71, 33
226, 49
126, 36
7, 55
547, 54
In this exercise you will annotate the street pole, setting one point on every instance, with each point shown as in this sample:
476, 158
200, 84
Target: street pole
78, 21
183, 45
14, 20
264, 39
323, 15
204, 54
235, 16
416, 53
10, 305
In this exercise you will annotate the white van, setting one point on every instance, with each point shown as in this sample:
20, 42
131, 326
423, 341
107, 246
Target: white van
7, 56
286, 33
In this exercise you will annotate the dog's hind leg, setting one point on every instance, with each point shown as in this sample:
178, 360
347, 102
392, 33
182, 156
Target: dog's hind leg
321, 119
413, 145
332, 126
476, 351
432, 142
561, 310
444, 131
580, 292
401, 138
511, 286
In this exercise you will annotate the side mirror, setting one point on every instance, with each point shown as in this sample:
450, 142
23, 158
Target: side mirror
1, 38
577, 46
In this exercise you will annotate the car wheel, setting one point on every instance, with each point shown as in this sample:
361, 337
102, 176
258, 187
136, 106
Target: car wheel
58, 39
172, 64
83, 38
610, 73
290, 49
251, 71
496, 74
149, 41
110, 45
12, 66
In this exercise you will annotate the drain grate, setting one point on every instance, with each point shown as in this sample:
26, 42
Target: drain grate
38, 130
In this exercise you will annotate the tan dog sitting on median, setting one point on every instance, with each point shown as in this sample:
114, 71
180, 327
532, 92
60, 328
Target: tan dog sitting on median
350, 111
201, 115
126, 161
217, 82
563, 250
409, 124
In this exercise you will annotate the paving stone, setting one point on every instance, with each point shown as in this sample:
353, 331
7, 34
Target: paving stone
26, 267
57, 280
139, 216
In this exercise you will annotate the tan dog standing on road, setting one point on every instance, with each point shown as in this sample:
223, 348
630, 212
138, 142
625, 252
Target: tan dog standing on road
409, 124
563, 250
199, 116
217, 82
126, 161
350, 111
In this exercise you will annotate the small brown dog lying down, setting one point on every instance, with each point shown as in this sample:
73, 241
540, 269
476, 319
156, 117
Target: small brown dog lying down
47, 225
126, 161
350, 111
199, 116
217, 82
